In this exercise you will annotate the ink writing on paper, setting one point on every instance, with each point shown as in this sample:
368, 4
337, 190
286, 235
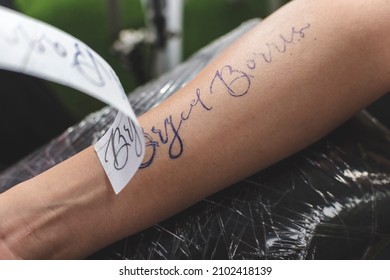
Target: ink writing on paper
121, 139
121, 150
38, 49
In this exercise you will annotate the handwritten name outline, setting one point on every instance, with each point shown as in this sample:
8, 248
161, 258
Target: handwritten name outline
118, 142
45, 47
267, 56
229, 85
38, 49
237, 83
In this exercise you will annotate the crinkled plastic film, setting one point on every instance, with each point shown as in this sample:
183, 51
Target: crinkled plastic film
329, 201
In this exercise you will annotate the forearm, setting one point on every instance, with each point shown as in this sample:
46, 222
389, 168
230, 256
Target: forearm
279, 88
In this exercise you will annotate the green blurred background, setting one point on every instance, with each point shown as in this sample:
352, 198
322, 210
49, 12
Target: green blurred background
203, 21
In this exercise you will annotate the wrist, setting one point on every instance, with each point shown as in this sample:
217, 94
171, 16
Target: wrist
31, 227
51, 216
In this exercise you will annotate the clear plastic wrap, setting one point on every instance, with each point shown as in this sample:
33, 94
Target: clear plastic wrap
328, 201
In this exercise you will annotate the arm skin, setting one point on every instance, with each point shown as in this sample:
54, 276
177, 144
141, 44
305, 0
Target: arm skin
282, 86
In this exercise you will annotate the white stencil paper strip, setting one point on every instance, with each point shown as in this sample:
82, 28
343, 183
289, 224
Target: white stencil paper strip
119, 150
38, 49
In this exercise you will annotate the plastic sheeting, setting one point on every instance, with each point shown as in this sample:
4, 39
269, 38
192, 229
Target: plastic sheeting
329, 201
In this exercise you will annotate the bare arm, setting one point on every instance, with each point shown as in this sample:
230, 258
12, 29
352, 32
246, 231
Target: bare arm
282, 86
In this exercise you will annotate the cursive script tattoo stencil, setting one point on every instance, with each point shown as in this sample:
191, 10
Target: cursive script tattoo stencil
122, 138
38, 49
120, 151
233, 81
